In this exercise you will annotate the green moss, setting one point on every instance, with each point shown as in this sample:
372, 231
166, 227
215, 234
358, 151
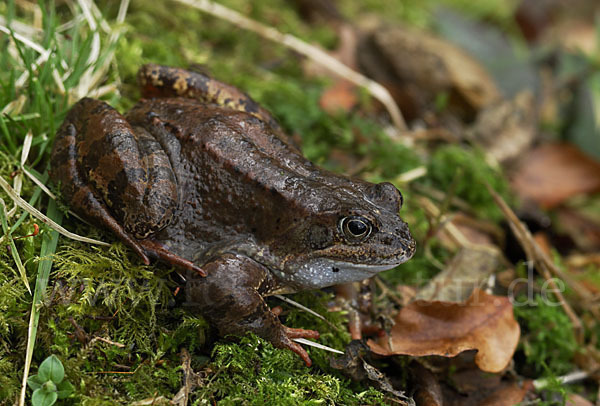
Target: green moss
465, 171
254, 373
547, 340
422, 12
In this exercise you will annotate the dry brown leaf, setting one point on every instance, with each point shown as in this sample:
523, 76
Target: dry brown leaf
552, 173
484, 323
468, 270
508, 394
341, 96
474, 235
581, 228
506, 129
575, 400
421, 66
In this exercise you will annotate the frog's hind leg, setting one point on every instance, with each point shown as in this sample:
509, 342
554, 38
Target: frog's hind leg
116, 177
165, 81
74, 188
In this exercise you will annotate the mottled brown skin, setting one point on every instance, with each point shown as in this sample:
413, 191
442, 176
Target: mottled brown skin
201, 177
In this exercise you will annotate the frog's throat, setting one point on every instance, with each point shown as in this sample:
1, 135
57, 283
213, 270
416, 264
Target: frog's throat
322, 272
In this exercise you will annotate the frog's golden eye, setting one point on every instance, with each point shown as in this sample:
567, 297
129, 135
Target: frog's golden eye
355, 228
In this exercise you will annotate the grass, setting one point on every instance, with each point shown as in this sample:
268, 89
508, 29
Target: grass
113, 321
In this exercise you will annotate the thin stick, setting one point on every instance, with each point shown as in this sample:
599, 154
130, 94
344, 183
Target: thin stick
310, 51
542, 262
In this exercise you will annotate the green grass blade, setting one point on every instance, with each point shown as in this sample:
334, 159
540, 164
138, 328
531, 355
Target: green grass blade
13, 247
48, 249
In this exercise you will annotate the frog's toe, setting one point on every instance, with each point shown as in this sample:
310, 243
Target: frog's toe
297, 348
301, 333
157, 250
291, 333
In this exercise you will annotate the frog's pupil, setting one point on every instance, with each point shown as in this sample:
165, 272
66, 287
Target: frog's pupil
357, 227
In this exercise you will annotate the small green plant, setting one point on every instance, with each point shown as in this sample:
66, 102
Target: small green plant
49, 384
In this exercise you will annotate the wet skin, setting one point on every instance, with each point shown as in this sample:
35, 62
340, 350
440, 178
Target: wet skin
201, 177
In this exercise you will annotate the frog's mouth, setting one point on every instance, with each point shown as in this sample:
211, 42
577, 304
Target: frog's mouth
322, 272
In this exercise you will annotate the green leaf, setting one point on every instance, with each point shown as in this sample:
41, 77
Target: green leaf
34, 382
65, 389
52, 370
49, 386
41, 397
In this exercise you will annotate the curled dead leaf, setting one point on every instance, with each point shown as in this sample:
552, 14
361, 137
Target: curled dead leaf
484, 323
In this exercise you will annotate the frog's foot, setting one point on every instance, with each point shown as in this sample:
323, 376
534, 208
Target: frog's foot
291, 333
157, 250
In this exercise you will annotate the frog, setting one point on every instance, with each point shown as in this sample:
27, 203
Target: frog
199, 176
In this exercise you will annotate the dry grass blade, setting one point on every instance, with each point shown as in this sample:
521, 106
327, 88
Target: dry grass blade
18, 179
39, 183
310, 51
453, 232
316, 345
306, 309
40, 216
544, 265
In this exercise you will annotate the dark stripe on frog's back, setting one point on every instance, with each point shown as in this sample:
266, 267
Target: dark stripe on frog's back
164, 81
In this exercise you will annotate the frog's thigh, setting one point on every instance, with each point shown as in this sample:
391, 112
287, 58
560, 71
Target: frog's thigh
165, 81
127, 168
66, 171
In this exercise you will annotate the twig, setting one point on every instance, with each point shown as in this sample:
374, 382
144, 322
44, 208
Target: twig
310, 51
107, 341
543, 263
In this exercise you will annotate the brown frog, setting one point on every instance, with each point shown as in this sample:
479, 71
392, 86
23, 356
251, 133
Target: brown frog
199, 176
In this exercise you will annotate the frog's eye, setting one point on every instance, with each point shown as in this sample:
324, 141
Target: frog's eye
355, 228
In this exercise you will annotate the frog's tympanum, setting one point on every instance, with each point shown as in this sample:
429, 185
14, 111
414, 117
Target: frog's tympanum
198, 175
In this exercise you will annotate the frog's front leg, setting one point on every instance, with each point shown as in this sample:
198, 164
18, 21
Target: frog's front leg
230, 298
115, 176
